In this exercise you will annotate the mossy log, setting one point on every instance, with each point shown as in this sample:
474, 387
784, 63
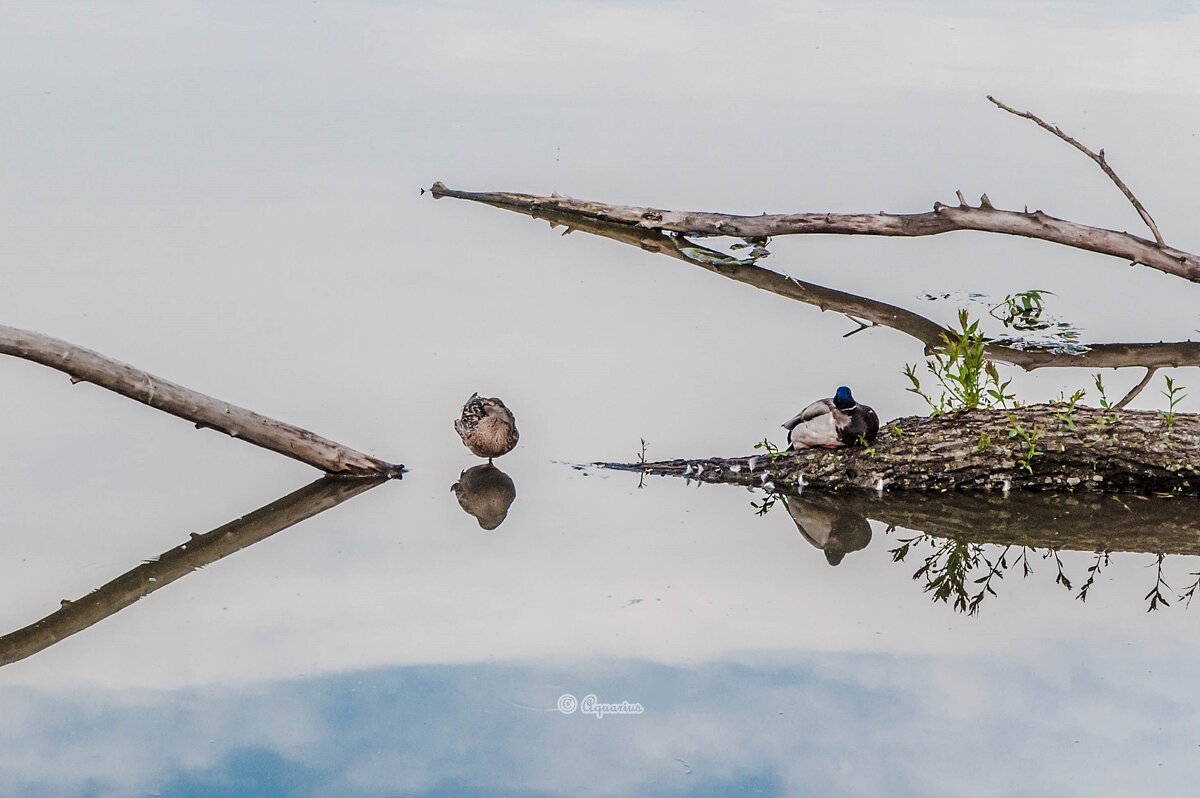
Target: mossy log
1035, 448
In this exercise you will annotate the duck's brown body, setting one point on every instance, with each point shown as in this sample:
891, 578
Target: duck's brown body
487, 427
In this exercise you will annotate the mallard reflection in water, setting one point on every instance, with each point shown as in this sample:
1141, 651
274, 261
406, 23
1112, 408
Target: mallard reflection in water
835, 531
487, 427
485, 492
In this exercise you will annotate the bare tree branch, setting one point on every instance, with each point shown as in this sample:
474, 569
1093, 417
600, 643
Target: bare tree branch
193, 554
863, 310
85, 365
942, 219
1135, 390
1098, 157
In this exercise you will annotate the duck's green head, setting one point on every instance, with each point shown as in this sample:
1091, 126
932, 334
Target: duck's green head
843, 400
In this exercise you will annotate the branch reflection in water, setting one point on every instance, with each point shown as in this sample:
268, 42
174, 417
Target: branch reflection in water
198, 551
485, 492
866, 312
968, 543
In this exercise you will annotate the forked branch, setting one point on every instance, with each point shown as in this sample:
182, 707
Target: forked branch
1098, 157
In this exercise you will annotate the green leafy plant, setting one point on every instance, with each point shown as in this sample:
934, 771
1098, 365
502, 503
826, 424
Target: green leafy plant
1065, 408
863, 442
985, 442
1030, 439
773, 452
1110, 415
1175, 394
968, 380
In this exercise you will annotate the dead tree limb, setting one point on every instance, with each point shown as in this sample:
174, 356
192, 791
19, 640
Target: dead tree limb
84, 365
191, 555
1098, 157
1033, 448
942, 219
863, 309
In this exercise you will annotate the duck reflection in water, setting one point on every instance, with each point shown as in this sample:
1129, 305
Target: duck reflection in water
485, 492
834, 530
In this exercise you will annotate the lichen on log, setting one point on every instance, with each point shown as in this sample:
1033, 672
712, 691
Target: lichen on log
1034, 448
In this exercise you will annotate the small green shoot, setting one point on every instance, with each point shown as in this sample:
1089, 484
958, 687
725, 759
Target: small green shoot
1030, 438
1110, 415
866, 444
1175, 394
985, 442
773, 452
1065, 408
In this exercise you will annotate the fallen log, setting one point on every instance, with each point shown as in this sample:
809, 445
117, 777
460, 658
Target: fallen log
1033, 448
84, 365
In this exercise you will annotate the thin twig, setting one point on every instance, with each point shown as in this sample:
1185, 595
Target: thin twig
1129, 397
1098, 157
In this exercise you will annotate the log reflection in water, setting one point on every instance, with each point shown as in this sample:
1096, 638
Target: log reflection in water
957, 569
196, 552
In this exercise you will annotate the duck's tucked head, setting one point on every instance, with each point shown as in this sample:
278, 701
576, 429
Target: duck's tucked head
842, 400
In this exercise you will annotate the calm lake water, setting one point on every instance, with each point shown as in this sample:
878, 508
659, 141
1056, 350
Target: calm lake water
227, 196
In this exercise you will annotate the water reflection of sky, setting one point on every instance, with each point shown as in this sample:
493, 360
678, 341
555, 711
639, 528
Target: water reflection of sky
846, 724
229, 199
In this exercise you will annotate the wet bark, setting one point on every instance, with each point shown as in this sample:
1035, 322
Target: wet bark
1031, 449
84, 365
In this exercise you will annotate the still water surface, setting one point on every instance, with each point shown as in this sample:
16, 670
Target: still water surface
227, 197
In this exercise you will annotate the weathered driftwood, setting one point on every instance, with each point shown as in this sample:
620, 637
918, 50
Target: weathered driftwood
197, 552
983, 450
942, 219
84, 365
863, 310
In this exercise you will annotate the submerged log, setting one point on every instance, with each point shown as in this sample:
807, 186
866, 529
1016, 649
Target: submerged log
1034, 448
84, 365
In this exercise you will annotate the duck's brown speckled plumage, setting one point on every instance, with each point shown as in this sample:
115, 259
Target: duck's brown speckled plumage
487, 427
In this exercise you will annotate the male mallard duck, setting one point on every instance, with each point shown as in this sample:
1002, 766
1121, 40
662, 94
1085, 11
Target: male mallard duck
487, 427
831, 423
